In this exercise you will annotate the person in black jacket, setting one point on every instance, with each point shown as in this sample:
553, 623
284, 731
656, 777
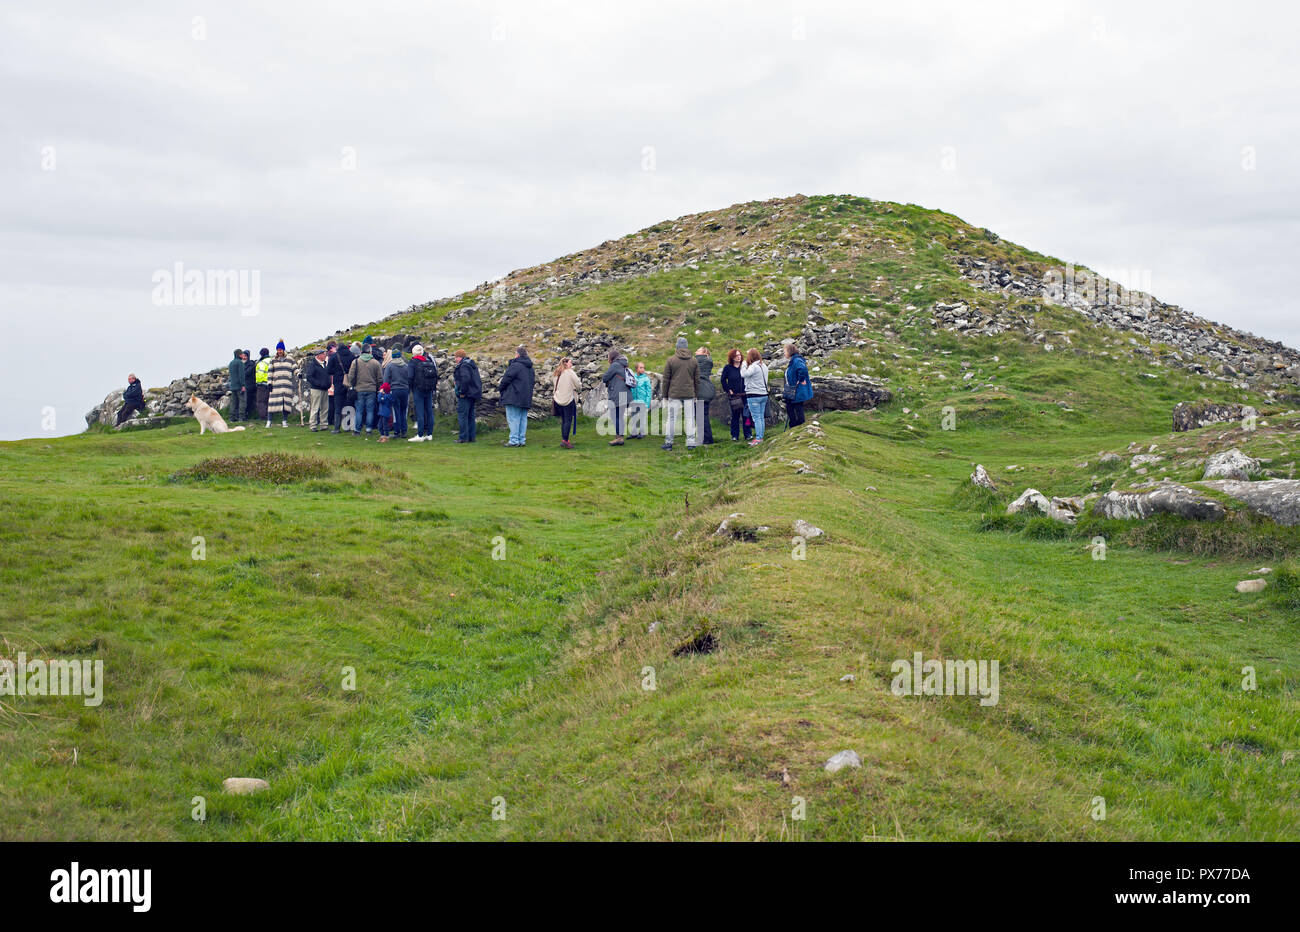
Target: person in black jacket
132, 399
469, 389
338, 367
733, 385
316, 372
517, 396
250, 384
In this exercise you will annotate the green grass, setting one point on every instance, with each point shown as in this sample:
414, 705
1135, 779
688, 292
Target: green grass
521, 679
520, 684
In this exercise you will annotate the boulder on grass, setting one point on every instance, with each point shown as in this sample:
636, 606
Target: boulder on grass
1054, 508
1278, 499
1168, 498
1231, 464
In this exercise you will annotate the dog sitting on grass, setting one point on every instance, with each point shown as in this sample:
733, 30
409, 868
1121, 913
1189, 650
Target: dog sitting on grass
208, 418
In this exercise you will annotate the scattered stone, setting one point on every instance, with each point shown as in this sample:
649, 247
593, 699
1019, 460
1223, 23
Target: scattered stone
1203, 413
1169, 498
244, 786
1278, 499
1041, 502
806, 530
1232, 464
843, 759
981, 478
1252, 585
848, 678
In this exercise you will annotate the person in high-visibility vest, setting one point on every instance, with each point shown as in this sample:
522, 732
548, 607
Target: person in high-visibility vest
262, 376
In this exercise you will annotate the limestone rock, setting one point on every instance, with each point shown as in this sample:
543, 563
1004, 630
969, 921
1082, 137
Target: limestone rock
843, 759
1168, 498
1252, 585
806, 530
1049, 507
244, 786
1278, 499
1232, 464
981, 478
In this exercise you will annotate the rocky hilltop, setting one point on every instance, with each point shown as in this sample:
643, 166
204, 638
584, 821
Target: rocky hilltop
859, 284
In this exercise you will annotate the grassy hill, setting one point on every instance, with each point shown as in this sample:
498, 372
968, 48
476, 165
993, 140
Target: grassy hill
518, 686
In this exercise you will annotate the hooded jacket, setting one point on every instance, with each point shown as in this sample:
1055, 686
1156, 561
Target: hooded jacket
517, 383
134, 394
615, 379
681, 376
398, 374
424, 373
797, 378
236, 373
365, 375
468, 383
706, 389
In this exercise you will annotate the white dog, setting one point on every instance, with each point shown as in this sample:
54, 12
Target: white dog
208, 417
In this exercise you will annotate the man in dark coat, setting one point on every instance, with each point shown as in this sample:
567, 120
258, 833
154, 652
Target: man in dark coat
517, 396
469, 389
236, 370
338, 367
706, 390
615, 379
132, 399
250, 385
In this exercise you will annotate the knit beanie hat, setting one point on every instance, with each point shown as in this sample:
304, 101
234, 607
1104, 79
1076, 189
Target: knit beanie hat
386, 387
681, 343
397, 354
265, 352
417, 350
279, 347
356, 349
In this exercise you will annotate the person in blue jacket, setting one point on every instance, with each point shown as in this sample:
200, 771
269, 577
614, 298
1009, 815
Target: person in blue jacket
798, 385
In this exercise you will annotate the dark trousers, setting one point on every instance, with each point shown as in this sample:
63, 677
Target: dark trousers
236, 402
568, 418
400, 398
263, 398
794, 413
333, 406
250, 401
340, 402
128, 409
423, 402
465, 415
618, 407
737, 421
708, 421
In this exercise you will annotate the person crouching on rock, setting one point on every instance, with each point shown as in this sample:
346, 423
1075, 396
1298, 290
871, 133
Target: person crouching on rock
132, 399
385, 401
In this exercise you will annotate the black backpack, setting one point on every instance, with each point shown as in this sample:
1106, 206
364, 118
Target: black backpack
425, 378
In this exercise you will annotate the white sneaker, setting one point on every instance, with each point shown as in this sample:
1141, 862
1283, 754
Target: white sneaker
268, 425
414, 439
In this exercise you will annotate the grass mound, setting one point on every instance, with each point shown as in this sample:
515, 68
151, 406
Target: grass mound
276, 468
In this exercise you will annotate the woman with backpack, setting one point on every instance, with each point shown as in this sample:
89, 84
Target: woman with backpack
564, 402
733, 384
798, 385
754, 372
424, 385
619, 381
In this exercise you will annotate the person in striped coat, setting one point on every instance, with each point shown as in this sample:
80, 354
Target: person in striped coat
281, 378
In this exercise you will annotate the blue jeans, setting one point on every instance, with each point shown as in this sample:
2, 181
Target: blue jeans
517, 418
367, 405
758, 411
465, 414
400, 397
423, 402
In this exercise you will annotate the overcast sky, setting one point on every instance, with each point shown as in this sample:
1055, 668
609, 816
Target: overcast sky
362, 157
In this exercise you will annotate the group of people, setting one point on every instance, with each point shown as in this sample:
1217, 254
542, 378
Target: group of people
380, 388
